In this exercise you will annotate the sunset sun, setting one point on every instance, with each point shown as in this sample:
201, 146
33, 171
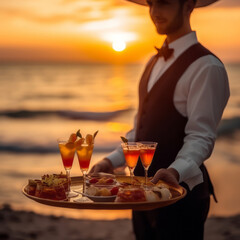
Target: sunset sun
119, 40
119, 45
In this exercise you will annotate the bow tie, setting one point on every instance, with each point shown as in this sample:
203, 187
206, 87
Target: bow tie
164, 51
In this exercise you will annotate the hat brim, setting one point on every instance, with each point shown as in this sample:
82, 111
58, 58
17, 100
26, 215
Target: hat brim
199, 3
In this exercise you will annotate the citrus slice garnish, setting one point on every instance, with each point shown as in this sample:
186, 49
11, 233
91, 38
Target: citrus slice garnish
70, 145
72, 138
79, 142
89, 139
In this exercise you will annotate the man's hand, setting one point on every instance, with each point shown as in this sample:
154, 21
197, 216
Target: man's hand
103, 166
169, 175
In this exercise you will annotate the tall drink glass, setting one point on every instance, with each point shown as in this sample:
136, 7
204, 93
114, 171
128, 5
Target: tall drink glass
67, 150
131, 152
84, 153
147, 150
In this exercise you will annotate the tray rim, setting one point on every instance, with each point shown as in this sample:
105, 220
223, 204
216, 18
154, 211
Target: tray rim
139, 206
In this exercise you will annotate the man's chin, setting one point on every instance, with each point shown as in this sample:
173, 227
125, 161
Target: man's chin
161, 31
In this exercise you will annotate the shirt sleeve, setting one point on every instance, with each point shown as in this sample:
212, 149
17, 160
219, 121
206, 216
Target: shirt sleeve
207, 97
117, 157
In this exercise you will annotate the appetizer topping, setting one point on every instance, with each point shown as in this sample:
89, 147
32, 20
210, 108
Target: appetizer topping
93, 180
130, 195
151, 196
54, 179
102, 181
114, 190
50, 187
104, 191
163, 193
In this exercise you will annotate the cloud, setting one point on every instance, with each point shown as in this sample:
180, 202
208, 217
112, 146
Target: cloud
34, 17
78, 11
60, 11
73, 11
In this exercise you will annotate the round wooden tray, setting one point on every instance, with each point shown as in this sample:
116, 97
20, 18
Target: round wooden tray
178, 193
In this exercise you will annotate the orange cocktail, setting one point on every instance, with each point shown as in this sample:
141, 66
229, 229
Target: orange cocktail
84, 148
67, 151
131, 152
84, 153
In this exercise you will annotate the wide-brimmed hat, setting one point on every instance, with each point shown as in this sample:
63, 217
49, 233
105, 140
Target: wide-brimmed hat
199, 3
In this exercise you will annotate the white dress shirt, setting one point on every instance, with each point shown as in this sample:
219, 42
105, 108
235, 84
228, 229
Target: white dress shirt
201, 95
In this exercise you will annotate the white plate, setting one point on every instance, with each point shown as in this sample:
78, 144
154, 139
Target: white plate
100, 198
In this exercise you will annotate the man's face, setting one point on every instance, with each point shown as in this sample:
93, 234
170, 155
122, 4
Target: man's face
167, 15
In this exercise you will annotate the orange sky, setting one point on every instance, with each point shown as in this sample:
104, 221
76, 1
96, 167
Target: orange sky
76, 30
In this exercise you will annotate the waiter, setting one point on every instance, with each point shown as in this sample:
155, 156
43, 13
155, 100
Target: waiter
182, 94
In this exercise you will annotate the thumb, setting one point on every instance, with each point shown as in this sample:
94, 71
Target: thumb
91, 171
158, 175
95, 169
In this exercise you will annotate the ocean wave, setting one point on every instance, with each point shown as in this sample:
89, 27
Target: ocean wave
228, 126
226, 129
75, 115
39, 149
17, 174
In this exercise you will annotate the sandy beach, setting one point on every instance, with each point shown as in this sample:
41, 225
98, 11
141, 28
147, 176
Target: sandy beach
24, 225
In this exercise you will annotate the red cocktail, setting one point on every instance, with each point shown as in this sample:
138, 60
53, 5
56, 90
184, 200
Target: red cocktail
84, 148
147, 150
84, 153
131, 152
67, 150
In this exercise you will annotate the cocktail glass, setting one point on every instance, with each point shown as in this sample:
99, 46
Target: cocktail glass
131, 152
147, 150
84, 153
67, 150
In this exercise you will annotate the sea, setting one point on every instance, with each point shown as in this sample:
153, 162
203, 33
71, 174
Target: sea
40, 103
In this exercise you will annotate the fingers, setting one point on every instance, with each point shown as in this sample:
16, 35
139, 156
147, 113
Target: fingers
92, 170
95, 169
166, 176
158, 175
102, 166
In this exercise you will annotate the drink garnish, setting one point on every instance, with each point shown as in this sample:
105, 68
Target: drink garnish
70, 145
95, 134
79, 134
79, 142
72, 138
125, 140
89, 139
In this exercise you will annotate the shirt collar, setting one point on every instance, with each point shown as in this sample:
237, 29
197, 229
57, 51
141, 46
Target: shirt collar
183, 43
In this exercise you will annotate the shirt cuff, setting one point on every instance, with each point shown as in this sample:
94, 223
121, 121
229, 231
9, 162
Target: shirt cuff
116, 158
189, 172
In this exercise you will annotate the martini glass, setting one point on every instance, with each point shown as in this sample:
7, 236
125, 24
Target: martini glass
147, 150
67, 150
84, 153
131, 152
